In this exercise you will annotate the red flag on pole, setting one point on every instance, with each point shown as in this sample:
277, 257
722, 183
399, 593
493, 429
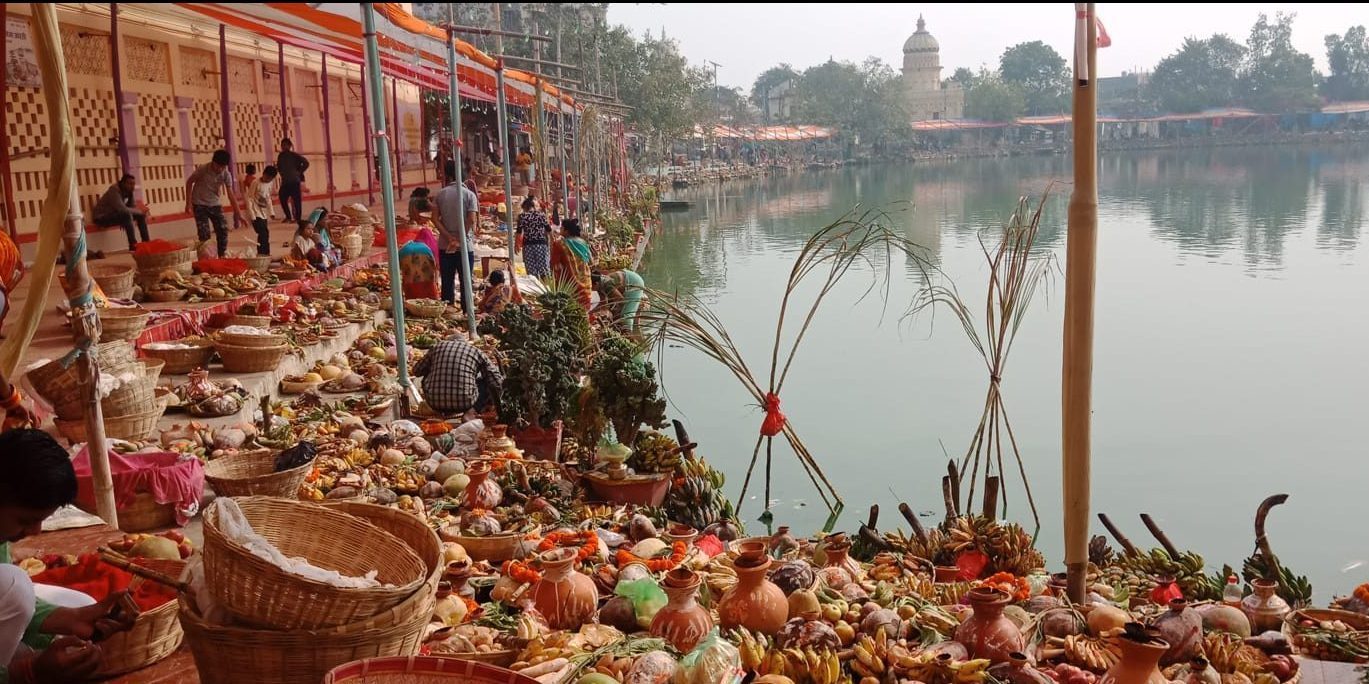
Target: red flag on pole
1104, 40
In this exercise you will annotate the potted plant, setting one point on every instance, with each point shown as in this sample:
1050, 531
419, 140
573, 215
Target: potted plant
623, 390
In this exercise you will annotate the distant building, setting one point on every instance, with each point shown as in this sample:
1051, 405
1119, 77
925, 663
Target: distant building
779, 102
927, 97
1124, 95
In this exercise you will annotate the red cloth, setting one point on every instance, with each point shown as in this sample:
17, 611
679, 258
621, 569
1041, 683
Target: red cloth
401, 237
163, 474
98, 580
971, 564
709, 544
774, 419
221, 266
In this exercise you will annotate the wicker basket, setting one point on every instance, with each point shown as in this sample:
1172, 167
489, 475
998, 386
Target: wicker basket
259, 593
134, 396
238, 359
232, 654
155, 635
424, 309
61, 387
353, 246
164, 260
260, 264
142, 515
122, 324
291, 273
116, 280
406, 526
253, 473
254, 341
249, 321
423, 670
165, 296
130, 428
182, 361
495, 548
1292, 626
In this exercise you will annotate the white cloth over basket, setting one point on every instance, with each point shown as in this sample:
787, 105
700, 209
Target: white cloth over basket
234, 525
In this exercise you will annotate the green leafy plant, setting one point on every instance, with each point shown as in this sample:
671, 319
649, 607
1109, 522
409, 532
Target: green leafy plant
545, 347
625, 389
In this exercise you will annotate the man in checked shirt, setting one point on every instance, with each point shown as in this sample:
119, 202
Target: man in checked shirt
458, 377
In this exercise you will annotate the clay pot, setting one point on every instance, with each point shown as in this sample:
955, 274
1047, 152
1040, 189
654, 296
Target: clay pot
681, 533
1265, 608
946, 574
1140, 662
839, 556
987, 633
1182, 627
499, 442
1018, 670
682, 622
755, 602
564, 596
482, 492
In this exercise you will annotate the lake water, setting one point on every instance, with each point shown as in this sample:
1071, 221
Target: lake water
1230, 348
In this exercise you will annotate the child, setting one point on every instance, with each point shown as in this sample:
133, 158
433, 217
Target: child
259, 208
497, 295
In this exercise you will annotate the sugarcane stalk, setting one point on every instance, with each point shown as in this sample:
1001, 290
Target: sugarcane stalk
1160, 536
1272, 571
991, 484
908, 515
1127, 546
948, 498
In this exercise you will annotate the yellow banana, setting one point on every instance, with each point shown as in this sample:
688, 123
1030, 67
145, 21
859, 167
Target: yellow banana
833, 665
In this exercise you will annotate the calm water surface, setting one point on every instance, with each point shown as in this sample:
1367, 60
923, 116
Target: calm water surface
1230, 364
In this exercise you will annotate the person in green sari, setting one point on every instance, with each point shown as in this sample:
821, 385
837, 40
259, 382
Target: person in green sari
623, 293
570, 260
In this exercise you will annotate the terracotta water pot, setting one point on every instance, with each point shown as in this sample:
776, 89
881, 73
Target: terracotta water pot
755, 602
946, 574
566, 597
682, 622
481, 492
1182, 627
987, 633
1018, 670
1140, 661
1265, 608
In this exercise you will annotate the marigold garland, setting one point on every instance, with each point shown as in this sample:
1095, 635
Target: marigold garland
521, 572
1362, 592
678, 550
587, 540
1017, 587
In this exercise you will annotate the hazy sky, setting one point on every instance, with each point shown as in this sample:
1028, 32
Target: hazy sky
745, 38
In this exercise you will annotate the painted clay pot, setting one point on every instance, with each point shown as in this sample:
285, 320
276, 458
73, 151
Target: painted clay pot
1018, 670
1265, 608
755, 602
682, 622
988, 633
482, 492
1140, 661
565, 597
1182, 627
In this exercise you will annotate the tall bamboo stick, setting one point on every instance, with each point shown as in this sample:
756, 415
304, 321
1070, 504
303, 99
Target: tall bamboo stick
63, 203
1080, 263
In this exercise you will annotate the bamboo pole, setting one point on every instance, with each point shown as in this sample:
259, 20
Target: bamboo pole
376, 85
230, 141
6, 179
502, 107
280, 79
63, 204
1080, 263
126, 167
370, 152
328, 134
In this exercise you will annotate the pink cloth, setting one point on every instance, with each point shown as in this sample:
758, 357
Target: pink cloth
427, 237
163, 474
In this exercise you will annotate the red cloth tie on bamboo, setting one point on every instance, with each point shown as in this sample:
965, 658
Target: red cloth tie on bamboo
97, 579
774, 420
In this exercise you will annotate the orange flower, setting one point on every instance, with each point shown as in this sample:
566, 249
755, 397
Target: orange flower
678, 550
1017, 587
1362, 592
586, 539
521, 572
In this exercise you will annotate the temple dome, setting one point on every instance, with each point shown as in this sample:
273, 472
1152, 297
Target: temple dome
921, 41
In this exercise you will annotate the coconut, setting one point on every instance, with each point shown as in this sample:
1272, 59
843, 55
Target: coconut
456, 484
155, 547
392, 457
330, 372
431, 490
313, 377
420, 447
1104, 618
804, 603
648, 548
359, 436
453, 552
448, 468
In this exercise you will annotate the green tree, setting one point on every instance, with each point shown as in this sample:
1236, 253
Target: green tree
662, 89
1202, 74
963, 76
771, 78
864, 100
991, 98
1348, 58
1040, 72
1277, 78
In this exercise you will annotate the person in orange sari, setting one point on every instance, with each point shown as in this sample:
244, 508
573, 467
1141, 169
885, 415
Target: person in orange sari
570, 260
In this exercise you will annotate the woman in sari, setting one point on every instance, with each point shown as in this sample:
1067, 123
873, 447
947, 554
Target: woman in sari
570, 260
418, 266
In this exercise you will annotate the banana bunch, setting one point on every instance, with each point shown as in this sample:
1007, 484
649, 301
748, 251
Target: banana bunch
655, 453
802, 665
698, 501
873, 655
885, 568
1292, 588
1229, 653
697, 467
719, 575
1084, 651
935, 617
1187, 570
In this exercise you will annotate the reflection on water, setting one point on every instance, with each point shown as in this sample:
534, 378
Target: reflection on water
1232, 291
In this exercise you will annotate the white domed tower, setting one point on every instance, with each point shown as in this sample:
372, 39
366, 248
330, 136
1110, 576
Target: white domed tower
922, 79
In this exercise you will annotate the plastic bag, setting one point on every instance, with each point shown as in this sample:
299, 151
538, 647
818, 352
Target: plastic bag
647, 598
405, 430
296, 456
713, 661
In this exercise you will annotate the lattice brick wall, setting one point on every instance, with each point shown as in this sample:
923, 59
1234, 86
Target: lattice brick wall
242, 79
94, 122
86, 52
198, 67
158, 127
206, 128
146, 60
92, 113
247, 135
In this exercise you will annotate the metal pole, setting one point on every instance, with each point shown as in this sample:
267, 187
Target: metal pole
1081, 252
370, 154
503, 111
328, 136
377, 88
563, 153
280, 76
118, 87
579, 149
225, 108
467, 292
399, 162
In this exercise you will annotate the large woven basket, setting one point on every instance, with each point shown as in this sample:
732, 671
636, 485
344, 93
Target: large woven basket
1309, 648
155, 635
182, 361
131, 428
115, 279
141, 515
234, 654
423, 670
256, 341
133, 397
405, 526
62, 387
418, 309
260, 264
258, 593
249, 320
238, 359
164, 260
165, 296
253, 473
122, 324
353, 246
